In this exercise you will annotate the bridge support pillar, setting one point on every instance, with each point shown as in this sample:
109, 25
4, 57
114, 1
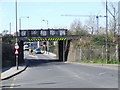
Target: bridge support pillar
61, 50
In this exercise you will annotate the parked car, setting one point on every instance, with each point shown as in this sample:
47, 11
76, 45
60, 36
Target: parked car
37, 51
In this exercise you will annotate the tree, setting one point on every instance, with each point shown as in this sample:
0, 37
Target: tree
69, 32
77, 29
113, 11
91, 25
8, 42
4, 32
76, 25
101, 40
81, 32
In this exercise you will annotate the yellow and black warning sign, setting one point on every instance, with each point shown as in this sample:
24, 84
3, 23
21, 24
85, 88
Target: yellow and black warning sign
47, 39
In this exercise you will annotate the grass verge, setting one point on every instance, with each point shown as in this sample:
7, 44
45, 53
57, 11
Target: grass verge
99, 61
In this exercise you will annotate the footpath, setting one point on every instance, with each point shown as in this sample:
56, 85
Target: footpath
13, 71
50, 54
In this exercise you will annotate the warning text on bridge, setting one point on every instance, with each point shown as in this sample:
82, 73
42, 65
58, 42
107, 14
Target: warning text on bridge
43, 32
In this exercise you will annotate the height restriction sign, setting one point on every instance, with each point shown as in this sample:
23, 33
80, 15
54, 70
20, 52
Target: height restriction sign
16, 46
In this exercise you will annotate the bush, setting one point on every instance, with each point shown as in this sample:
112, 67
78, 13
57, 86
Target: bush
101, 40
8, 57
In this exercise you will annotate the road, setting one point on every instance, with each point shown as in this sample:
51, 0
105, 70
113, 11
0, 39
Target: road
46, 72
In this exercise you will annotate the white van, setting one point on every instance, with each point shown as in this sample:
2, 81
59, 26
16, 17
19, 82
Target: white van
26, 47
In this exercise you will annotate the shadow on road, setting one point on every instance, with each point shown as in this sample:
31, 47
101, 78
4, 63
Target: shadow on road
41, 62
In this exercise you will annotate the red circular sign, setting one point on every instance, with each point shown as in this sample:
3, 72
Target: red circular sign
16, 46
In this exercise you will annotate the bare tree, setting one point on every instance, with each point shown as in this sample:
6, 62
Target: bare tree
113, 17
4, 32
77, 28
91, 25
114, 14
76, 25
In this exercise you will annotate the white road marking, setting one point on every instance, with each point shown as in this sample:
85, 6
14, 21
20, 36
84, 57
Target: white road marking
12, 85
102, 73
49, 69
78, 76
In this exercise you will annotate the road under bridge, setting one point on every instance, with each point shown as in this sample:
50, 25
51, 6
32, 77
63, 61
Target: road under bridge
63, 45
59, 35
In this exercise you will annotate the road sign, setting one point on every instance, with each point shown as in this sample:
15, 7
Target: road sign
16, 46
16, 52
43, 32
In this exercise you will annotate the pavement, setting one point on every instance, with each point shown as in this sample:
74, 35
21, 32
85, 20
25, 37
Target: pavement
13, 71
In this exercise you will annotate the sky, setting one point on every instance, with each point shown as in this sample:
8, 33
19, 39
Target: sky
50, 11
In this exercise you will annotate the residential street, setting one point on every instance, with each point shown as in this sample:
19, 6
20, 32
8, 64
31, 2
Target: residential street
46, 72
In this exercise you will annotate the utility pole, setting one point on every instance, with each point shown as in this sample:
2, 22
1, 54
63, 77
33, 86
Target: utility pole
107, 51
118, 31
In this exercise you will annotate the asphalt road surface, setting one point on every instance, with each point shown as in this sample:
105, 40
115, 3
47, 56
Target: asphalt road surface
46, 72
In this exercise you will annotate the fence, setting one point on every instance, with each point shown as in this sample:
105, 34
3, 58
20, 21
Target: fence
91, 52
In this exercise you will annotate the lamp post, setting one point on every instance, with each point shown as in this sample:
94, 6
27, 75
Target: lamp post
10, 27
47, 41
20, 21
16, 33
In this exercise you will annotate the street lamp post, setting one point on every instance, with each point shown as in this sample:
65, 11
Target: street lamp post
20, 21
16, 33
10, 27
47, 41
